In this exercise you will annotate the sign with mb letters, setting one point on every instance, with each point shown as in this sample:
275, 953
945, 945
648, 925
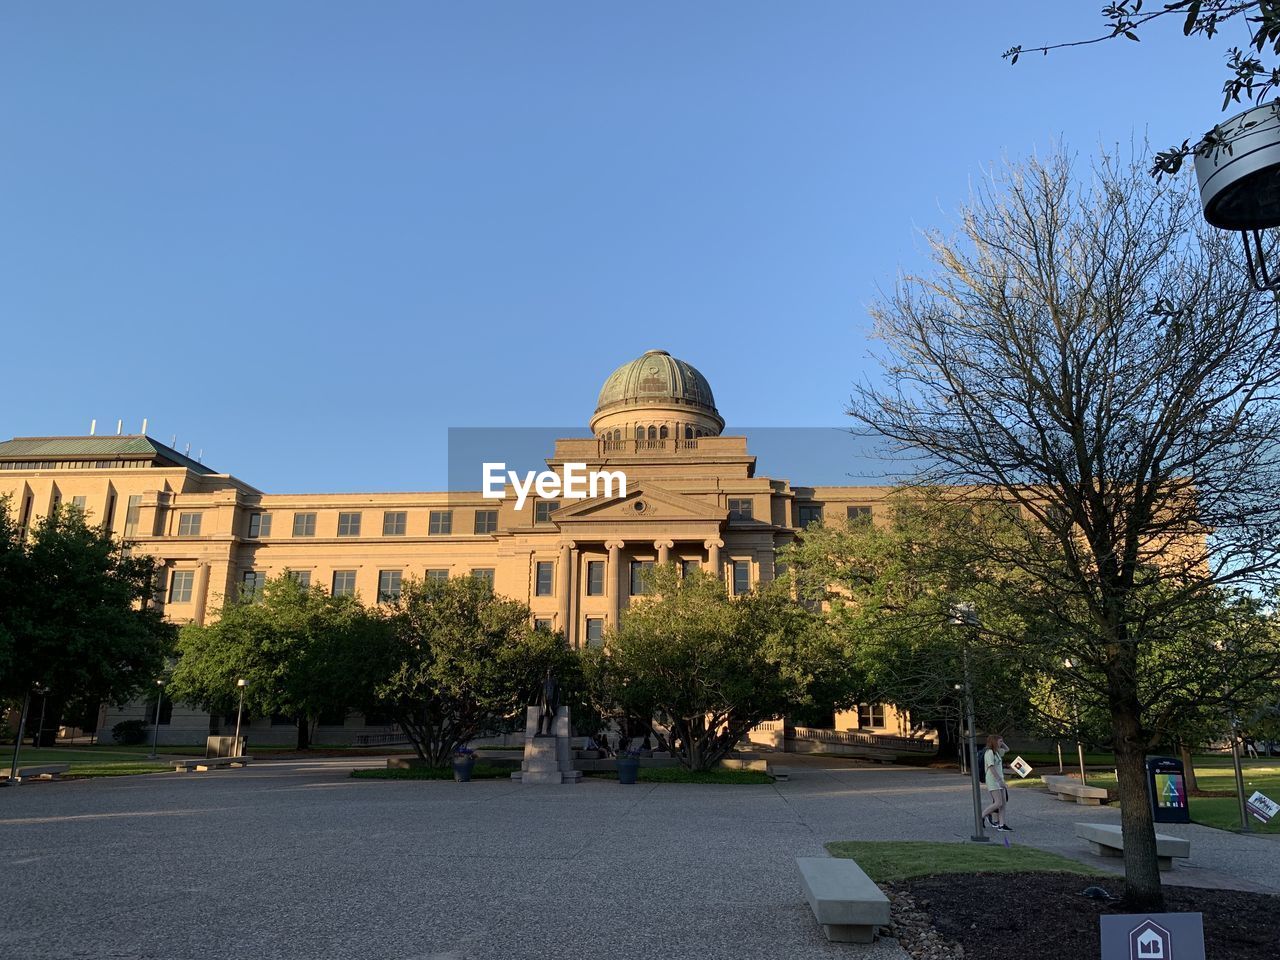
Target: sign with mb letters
1153, 936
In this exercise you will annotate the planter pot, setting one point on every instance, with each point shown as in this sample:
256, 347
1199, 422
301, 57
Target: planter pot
462, 770
1240, 189
628, 768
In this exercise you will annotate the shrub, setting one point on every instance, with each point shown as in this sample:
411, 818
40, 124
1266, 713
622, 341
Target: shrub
130, 732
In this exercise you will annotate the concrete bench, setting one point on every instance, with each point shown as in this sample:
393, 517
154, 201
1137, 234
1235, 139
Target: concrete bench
44, 771
1068, 788
210, 763
1106, 841
844, 900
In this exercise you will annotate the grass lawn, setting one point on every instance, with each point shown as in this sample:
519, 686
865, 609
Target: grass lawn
1214, 773
87, 761
481, 771
902, 860
681, 775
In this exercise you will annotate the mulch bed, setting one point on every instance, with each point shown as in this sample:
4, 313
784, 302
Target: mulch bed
1013, 916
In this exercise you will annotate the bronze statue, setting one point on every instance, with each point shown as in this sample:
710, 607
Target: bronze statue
547, 703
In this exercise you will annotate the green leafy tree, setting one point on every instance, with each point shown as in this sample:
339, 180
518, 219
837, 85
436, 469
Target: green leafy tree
298, 647
76, 617
705, 668
1086, 352
454, 661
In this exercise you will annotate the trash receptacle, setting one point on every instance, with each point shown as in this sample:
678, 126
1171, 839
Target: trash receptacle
1167, 788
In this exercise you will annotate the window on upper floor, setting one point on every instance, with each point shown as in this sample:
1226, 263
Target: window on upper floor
486, 521
689, 566
595, 578
542, 623
252, 582
394, 523
639, 577
344, 583
389, 582
348, 524
259, 525
79, 503
740, 509
304, 524
543, 509
484, 575
188, 524
440, 523
133, 507
858, 514
807, 513
180, 583
301, 577
437, 576
543, 578
741, 577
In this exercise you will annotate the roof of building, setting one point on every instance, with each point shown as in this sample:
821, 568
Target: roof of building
136, 447
656, 377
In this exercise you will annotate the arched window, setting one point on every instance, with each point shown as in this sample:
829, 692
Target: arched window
662, 434
639, 433
688, 433
617, 434
653, 433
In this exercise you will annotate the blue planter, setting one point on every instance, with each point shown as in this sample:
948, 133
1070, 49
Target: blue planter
628, 769
462, 769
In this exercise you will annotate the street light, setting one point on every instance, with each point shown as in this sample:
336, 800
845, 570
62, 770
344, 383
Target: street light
22, 726
1075, 709
155, 732
963, 615
241, 683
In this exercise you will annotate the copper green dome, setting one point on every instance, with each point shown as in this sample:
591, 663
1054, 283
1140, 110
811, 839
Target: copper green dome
656, 378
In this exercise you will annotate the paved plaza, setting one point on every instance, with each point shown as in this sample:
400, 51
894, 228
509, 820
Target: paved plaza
294, 859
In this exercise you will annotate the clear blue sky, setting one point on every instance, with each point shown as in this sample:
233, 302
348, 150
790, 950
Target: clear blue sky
308, 237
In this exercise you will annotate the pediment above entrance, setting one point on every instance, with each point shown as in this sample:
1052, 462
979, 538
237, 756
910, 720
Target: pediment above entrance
642, 504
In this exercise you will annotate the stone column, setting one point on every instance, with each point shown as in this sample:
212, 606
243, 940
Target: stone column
613, 580
664, 549
575, 590
202, 593
713, 557
562, 587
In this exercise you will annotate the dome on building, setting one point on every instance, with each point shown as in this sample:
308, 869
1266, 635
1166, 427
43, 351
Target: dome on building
657, 390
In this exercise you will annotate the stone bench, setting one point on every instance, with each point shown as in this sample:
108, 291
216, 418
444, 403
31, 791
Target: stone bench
210, 763
44, 771
1068, 788
1107, 841
844, 900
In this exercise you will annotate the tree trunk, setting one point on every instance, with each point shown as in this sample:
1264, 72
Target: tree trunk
1188, 767
304, 733
1143, 893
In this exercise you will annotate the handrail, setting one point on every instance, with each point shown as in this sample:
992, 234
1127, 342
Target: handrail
856, 738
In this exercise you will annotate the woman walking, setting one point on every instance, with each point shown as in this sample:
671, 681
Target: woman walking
993, 781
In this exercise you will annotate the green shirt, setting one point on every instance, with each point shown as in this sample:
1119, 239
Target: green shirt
993, 770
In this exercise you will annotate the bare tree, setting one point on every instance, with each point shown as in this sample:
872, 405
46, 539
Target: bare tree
1086, 356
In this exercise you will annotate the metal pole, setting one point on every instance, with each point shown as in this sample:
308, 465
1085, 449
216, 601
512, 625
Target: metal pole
979, 836
44, 702
1079, 745
1245, 826
1058, 744
155, 731
17, 744
239, 711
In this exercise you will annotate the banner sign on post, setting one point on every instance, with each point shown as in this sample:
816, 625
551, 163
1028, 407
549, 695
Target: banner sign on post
1261, 806
1020, 767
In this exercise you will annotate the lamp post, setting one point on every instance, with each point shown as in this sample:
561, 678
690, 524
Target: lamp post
241, 683
963, 615
1075, 709
1245, 825
155, 727
17, 744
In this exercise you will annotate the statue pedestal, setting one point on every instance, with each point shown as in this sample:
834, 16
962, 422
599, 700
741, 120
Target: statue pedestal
547, 758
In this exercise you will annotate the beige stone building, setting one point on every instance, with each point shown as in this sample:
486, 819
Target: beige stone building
693, 497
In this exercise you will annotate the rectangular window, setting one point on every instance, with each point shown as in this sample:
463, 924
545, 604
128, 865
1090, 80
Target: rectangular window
689, 566
639, 572
871, 715
111, 512
259, 525
543, 509
486, 521
252, 582
484, 575
807, 513
437, 576
132, 508
79, 503
540, 623
389, 584
595, 631
301, 577
348, 524
739, 509
180, 586
304, 524
188, 524
441, 523
344, 583
858, 514
394, 522
543, 580
595, 578
741, 577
